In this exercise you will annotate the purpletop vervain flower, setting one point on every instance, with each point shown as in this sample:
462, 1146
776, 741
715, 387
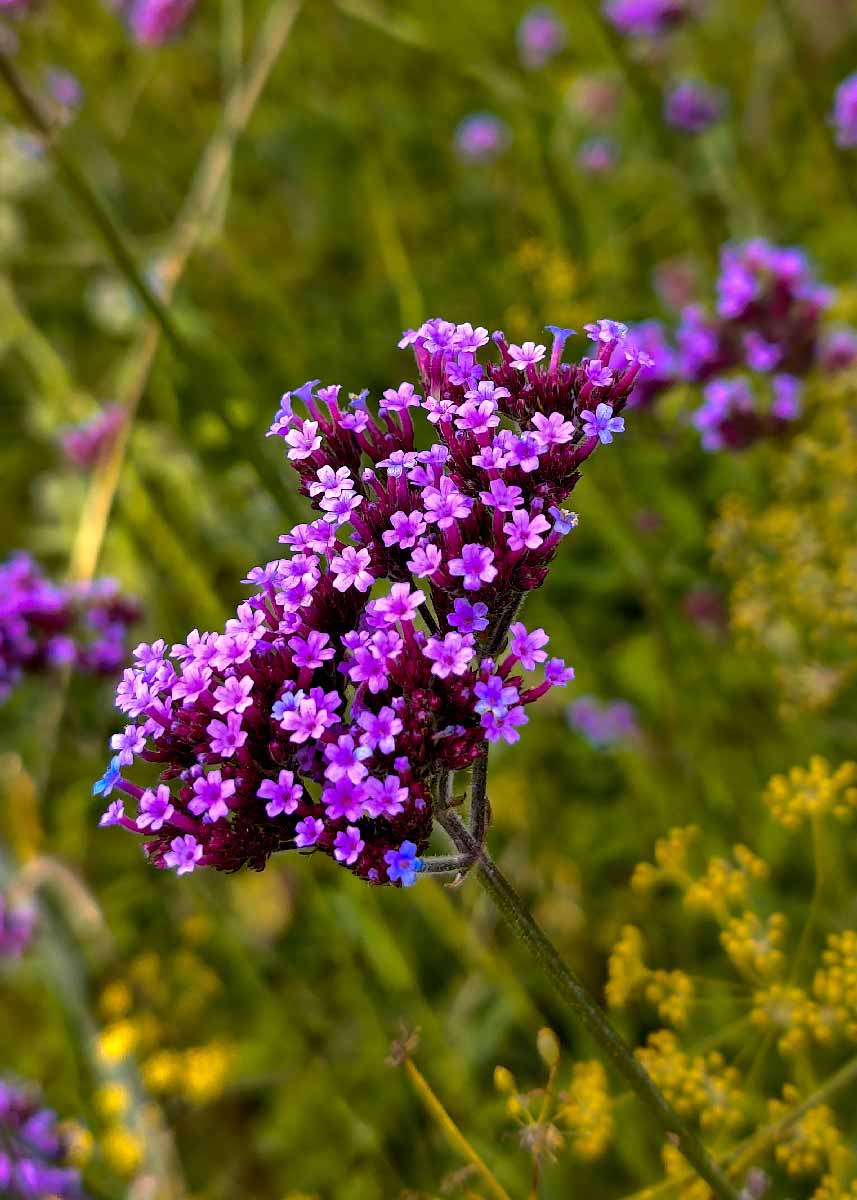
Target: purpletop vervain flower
768, 314
44, 625
83, 445
33, 1149
767, 323
17, 926
598, 155
646, 18
154, 22
384, 653
481, 137
693, 107
541, 36
844, 115
732, 415
661, 370
603, 723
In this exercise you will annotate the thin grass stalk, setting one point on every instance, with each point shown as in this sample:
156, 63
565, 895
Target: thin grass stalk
87, 197
586, 1009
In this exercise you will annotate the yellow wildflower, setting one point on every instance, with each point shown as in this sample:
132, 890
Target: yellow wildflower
812, 792
587, 1110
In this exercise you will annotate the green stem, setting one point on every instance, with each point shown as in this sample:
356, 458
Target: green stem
87, 198
815, 103
586, 1009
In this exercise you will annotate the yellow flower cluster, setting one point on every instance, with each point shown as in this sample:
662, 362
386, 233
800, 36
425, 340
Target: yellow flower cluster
671, 860
790, 1011
198, 1074
724, 883
813, 791
179, 987
754, 945
587, 1110
835, 983
121, 1148
671, 992
584, 1109
675, 1168
793, 563
831, 1188
807, 1146
702, 1087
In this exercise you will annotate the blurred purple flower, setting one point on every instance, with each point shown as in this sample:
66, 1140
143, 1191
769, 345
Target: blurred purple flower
84, 444
481, 137
33, 1148
541, 36
693, 107
604, 724
844, 115
598, 155
17, 926
154, 22
646, 18
44, 626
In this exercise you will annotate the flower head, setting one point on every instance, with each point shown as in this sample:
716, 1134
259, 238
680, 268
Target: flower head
541, 36
36, 1151
481, 137
844, 115
376, 657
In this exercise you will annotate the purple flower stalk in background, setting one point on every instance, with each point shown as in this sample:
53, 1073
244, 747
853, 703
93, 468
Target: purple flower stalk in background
844, 115
769, 310
45, 626
731, 416
604, 724
661, 373
481, 137
33, 1149
383, 654
693, 107
17, 926
541, 36
768, 318
598, 155
646, 18
83, 445
65, 89
838, 349
154, 22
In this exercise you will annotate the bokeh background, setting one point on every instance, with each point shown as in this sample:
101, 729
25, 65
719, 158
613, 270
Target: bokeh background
227, 1036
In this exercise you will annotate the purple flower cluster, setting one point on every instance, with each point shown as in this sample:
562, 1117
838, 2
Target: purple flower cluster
84, 444
481, 137
384, 654
693, 107
603, 723
598, 155
646, 18
64, 88
44, 625
17, 926
33, 1150
768, 323
154, 22
662, 371
844, 115
541, 36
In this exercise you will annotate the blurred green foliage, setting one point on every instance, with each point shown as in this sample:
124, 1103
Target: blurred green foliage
344, 217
